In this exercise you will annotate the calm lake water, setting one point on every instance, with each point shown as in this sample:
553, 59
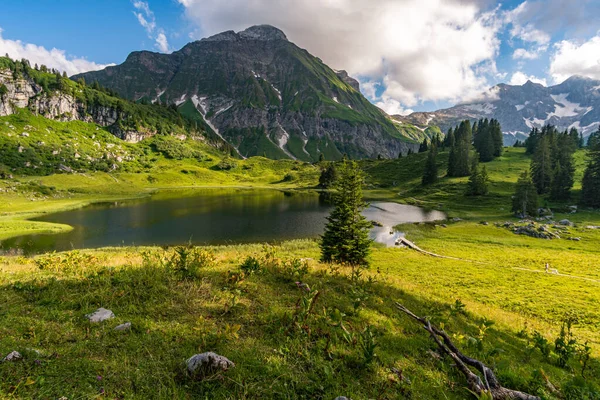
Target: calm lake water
212, 216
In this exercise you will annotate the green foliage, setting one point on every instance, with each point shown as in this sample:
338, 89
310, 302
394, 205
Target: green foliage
174, 148
368, 344
3, 90
251, 265
565, 345
541, 165
226, 164
188, 262
525, 199
430, 174
346, 238
458, 163
488, 139
542, 344
328, 176
295, 269
590, 193
478, 181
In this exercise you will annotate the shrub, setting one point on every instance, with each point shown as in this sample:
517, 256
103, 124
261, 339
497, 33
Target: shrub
250, 266
226, 164
187, 261
295, 269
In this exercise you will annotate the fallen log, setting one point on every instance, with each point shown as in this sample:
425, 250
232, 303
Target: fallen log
489, 384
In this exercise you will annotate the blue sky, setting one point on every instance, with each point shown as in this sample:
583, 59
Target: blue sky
408, 54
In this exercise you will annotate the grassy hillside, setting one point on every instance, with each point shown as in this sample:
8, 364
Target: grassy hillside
492, 295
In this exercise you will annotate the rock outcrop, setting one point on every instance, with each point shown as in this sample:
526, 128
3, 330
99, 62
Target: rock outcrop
25, 93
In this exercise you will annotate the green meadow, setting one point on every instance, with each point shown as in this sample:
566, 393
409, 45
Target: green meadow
343, 337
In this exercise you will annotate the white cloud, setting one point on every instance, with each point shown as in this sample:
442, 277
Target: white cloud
572, 58
520, 78
419, 49
147, 20
53, 58
161, 42
533, 54
392, 106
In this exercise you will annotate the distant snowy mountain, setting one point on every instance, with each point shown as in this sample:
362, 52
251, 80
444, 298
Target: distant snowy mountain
573, 103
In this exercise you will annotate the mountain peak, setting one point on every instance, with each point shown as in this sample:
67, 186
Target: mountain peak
256, 32
263, 32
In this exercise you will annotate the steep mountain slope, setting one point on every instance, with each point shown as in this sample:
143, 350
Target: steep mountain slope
573, 103
49, 123
262, 94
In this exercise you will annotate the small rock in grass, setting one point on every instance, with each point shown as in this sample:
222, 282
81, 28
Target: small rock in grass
565, 222
123, 327
342, 398
206, 364
101, 314
12, 356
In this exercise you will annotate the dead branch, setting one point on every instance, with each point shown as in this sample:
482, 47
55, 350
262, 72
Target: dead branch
488, 384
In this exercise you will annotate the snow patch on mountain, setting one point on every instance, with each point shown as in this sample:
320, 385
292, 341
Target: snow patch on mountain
181, 100
486, 108
564, 108
283, 140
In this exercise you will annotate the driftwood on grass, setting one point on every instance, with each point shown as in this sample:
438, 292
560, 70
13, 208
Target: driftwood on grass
488, 384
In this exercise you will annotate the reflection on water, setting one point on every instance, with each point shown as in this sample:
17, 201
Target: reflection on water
212, 216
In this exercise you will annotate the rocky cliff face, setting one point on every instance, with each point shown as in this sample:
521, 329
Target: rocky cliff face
262, 94
25, 93
574, 103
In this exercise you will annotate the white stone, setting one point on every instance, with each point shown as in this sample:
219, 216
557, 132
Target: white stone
101, 314
208, 363
12, 356
123, 327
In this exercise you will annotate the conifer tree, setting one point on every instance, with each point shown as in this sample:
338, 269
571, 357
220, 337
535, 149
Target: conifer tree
590, 193
497, 137
430, 175
525, 199
541, 166
449, 139
478, 181
532, 140
423, 147
328, 176
346, 238
458, 163
483, 141
563, 166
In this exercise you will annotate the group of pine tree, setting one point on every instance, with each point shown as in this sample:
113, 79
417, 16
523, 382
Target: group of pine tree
552, 170
485, 135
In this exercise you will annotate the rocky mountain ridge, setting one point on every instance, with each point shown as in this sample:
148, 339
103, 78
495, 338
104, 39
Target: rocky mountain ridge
575, 103
263, 95
23, 92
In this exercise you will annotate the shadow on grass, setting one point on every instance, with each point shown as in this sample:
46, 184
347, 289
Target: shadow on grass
251, 323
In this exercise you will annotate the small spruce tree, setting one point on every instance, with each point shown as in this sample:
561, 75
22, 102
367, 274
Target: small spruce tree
525, 199
346, 238
430, 175
328, 176
590, 191
478, 181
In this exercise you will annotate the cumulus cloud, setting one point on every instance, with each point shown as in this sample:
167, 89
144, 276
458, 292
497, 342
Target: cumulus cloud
536, 21
520, 78
147, 20
419, 49
53, 58
524, 54
573, 58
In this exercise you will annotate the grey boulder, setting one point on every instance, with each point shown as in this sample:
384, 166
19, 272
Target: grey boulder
12, 356
123, 327
207, 364
101, 314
